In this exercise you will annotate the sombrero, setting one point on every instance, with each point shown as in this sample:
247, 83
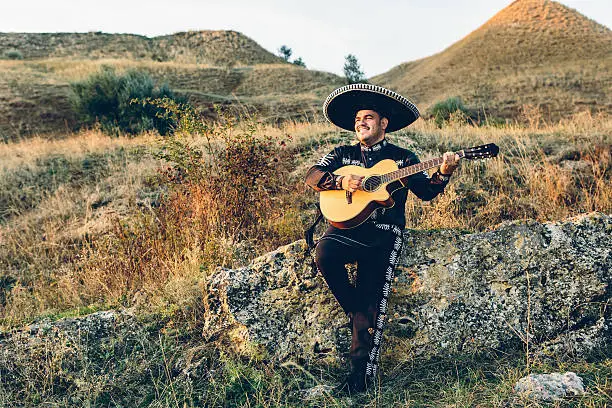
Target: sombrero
341, 106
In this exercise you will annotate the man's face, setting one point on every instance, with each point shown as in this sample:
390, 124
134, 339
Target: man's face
370, 127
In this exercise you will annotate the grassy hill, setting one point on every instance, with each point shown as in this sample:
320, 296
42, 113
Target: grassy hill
533, 52
202, 47
207, 67
534, 59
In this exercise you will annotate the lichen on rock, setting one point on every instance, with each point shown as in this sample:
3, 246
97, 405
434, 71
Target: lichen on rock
545, 284
549, 387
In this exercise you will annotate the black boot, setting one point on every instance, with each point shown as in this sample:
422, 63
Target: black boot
361, 343
356, 381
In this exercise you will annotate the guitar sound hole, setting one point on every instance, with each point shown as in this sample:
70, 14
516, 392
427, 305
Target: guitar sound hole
371, 183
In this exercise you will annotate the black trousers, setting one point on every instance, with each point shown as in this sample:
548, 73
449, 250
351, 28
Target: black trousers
367, 299
331, 258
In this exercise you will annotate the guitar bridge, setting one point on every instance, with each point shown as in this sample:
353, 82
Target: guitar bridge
349, 197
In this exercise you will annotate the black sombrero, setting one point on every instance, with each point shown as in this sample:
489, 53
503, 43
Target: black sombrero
341, 106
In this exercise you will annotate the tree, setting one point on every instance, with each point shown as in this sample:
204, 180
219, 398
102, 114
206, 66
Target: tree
352, 70
299, 62
285, 52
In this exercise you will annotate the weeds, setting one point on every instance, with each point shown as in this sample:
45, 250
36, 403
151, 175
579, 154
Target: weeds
151, 361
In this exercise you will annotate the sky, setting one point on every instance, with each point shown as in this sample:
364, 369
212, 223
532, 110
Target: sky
380, 33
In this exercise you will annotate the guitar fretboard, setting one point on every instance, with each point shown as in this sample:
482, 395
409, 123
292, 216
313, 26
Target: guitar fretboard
415, 168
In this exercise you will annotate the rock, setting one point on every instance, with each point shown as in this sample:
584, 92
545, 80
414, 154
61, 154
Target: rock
549, 387
284, 305
104, 356
524, 282
316, 392
68, 350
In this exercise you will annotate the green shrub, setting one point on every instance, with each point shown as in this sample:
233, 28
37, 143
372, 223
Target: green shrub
449, 109
116, 102
299, 62
13, 54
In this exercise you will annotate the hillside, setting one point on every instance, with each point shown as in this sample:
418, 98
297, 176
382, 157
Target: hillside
202, 47
534, 52
207, 67
92, 223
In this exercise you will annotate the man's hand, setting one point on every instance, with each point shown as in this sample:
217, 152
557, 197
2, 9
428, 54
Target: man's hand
351, 182
450, 163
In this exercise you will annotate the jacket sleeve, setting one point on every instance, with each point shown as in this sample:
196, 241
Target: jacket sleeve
423, 186
320, 177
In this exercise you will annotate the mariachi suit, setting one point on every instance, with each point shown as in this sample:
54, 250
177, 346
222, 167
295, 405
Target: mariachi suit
375, 245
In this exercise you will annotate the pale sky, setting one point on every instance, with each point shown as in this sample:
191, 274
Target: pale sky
381, 33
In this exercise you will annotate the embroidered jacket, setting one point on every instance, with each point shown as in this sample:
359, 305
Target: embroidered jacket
320, 176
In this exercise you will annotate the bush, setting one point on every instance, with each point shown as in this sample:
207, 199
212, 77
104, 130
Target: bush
238, 170
299, 62
225, 200
116, 102
451, 109
13, 54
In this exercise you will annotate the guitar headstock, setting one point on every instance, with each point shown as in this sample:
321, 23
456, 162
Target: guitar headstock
481, 152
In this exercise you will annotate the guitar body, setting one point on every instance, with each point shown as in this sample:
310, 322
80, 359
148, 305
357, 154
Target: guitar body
334, 203
378, 184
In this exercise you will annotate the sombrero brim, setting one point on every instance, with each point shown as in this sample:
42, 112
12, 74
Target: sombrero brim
341, 106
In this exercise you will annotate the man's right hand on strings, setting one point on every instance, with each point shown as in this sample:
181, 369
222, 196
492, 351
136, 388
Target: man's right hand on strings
351, 182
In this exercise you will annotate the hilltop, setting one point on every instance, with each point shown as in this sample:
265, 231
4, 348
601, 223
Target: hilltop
203, 47
534, 52
207, 67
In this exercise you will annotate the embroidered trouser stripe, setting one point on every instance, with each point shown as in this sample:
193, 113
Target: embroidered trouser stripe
382, 307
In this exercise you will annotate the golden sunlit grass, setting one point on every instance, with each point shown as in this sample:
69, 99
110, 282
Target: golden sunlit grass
69, 69
27, 152
89, 219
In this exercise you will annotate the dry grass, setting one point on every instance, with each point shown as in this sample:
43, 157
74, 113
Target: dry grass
68, 69
90, 235
28, 152
77, 212
54, 196
546, 173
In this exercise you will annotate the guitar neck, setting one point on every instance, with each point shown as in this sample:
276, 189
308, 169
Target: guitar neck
415, 168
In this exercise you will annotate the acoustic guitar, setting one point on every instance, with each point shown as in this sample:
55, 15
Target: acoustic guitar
347, 210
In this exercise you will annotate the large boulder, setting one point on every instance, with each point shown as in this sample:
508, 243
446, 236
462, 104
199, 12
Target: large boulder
545, 286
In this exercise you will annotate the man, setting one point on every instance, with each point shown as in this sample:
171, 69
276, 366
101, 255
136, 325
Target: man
372, 112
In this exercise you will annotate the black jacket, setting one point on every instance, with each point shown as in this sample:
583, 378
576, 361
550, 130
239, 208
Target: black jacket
320, 176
